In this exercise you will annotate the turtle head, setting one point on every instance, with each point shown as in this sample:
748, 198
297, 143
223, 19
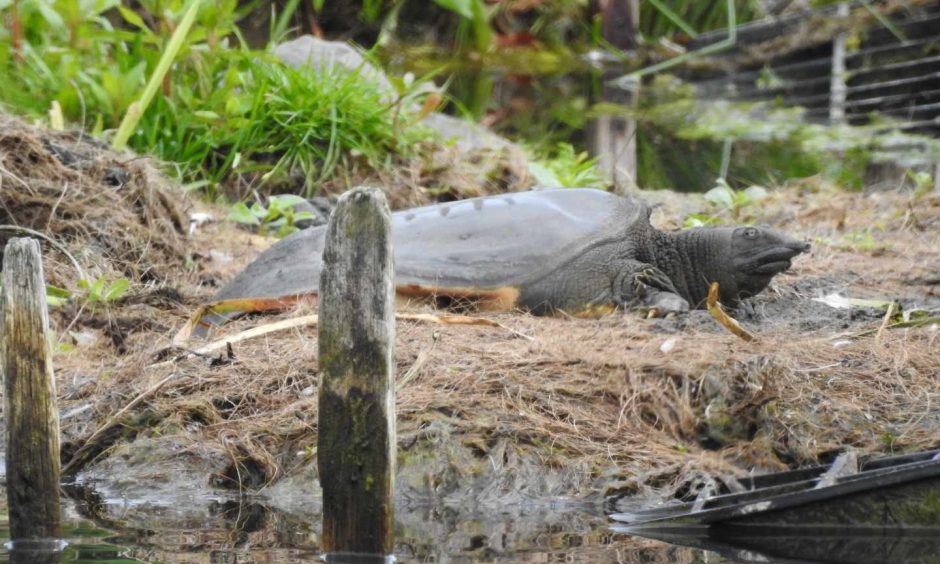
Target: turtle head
751, 256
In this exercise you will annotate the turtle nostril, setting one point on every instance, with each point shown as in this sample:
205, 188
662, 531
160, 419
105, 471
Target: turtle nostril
799, 246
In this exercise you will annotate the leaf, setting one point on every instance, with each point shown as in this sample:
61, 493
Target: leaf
699, 220
116, 289
96, 289
721, 195
206, 115
838, 301
132, 18
543, 176
52, 17
730, 323
464, 8
287, 200
755, 193
57, 297
240, 213
56, 292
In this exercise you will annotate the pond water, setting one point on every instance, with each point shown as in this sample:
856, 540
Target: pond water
239, 531
230, 531
579, 105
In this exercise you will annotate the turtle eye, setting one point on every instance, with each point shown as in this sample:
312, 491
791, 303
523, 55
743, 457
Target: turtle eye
751, 233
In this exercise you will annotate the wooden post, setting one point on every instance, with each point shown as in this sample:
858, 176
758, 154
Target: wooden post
356, 444
620, 22
612, 138
30, 400
837, 86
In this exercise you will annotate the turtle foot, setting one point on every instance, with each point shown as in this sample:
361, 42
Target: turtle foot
664, 304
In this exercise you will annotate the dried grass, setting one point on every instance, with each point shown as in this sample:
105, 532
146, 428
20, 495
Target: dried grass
114, 213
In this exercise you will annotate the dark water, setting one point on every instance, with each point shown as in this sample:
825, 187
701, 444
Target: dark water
233, 531
575, 105
242, 531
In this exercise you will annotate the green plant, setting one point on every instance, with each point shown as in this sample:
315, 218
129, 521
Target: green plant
279, 216
57, 297
139, 106
475, 20
923, 181
568, 168
102, 292
657, 19
861, 241
220, 113
727, 200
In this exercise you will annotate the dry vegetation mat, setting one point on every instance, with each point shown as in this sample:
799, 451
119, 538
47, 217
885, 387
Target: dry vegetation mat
113, 213
522, 408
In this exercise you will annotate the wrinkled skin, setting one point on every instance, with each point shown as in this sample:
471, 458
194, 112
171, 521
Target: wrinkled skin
668, 272
743, 260
584, 252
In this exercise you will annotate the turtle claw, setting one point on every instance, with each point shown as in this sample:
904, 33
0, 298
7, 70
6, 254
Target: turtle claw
666, 304
654, 278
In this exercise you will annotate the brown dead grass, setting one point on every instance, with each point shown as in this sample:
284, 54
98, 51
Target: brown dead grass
114, 213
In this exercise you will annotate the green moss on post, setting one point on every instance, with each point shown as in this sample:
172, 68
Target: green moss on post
356, 443
30, 400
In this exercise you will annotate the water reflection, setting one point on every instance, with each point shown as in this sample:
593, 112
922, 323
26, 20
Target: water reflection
237, 530
752, 544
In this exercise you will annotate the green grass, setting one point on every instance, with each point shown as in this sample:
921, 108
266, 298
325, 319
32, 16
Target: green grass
250, 115
223, 115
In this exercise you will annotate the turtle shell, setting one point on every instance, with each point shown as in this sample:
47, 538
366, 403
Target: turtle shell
477, 244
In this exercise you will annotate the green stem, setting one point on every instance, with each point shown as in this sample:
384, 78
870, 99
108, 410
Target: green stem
138, 107
883, 20
674, 18
627, 81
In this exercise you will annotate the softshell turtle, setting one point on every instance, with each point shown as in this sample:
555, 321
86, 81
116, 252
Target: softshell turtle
580, 251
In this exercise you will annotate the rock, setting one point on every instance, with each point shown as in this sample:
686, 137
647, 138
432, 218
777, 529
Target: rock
324, 55
466, 135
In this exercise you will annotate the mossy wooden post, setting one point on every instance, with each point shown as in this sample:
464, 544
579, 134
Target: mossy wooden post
356, 445
29, 401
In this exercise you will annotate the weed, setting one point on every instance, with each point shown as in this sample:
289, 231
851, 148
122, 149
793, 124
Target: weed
923, 181
565, 167
728, 201
475, 21
279, 216
56, 297
861, 241
221, 113
102, 292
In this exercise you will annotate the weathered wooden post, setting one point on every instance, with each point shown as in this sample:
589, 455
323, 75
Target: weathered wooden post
612, 138
356, 444
30, 402
837, 85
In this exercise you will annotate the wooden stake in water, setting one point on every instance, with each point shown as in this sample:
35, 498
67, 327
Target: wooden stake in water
30, 401
356, 445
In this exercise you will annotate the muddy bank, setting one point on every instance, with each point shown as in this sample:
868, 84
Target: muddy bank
553, 411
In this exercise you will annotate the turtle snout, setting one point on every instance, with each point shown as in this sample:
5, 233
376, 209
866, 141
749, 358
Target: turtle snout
791, 247
800, 246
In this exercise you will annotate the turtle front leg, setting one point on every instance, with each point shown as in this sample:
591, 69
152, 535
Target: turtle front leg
639, 285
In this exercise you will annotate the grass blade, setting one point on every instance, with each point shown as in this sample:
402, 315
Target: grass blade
138, 107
